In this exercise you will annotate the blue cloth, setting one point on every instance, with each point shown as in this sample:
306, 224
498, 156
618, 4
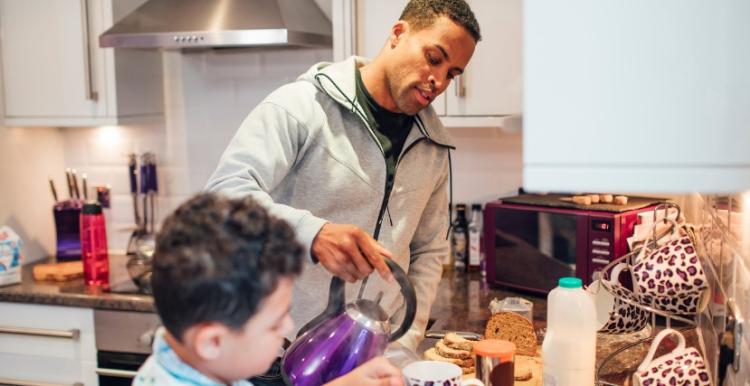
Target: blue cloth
165, 368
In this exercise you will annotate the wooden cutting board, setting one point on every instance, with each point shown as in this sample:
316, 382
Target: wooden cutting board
553, 200
66, 271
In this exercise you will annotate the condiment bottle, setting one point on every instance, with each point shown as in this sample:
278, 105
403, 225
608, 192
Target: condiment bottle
569, 347
494, 362
94, 246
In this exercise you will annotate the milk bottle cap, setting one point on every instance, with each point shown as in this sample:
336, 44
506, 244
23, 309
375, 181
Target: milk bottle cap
570, 282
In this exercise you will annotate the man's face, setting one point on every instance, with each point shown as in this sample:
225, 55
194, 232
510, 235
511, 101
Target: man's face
422, 63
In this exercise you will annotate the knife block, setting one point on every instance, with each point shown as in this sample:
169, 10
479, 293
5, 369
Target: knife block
67, 216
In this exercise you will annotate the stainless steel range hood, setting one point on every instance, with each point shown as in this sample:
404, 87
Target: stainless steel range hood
220, 23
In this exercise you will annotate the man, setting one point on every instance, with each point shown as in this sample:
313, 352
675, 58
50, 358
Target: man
353, 156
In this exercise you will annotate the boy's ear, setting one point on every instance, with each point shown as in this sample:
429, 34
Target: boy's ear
207, 340
397, 33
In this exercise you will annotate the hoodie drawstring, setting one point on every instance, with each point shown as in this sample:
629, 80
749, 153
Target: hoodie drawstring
450, 194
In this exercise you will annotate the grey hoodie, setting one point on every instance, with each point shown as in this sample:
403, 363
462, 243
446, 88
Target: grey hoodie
307, 154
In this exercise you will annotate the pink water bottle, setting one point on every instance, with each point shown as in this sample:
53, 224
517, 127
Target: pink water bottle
94, 246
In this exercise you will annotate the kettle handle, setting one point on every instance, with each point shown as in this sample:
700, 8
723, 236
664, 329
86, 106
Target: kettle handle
410, 299
336, 302
335, 305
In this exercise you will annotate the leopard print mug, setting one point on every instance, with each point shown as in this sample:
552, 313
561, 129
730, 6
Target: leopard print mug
615, 315
681, 366
671, 278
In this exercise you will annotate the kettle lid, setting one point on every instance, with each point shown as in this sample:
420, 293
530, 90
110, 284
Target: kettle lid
370, 315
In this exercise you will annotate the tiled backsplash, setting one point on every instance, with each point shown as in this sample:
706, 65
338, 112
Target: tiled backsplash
725, 231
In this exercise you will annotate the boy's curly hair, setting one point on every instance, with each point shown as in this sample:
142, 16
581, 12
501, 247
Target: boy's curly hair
422, 14
217, 258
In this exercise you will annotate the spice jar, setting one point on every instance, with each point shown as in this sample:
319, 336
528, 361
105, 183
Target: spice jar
494, 362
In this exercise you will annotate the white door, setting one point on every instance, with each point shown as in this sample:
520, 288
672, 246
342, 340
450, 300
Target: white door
492, 83
45, 59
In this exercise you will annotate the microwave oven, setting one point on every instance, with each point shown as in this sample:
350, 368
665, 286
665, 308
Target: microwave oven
529, 247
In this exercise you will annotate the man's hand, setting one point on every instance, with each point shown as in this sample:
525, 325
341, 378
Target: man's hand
350, 253
375, 372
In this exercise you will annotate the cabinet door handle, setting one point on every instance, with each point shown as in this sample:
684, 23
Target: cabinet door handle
460, 86
67, 334
15, 382
89, 81
115, 373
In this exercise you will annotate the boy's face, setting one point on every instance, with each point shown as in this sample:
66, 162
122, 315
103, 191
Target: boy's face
252, 350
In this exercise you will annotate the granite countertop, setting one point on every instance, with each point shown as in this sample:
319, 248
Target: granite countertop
461, 303
463, 299
76, 294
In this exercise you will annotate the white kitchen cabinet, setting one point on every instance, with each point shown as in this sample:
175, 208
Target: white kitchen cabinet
55, 74
637, 96
47, 344
490, 88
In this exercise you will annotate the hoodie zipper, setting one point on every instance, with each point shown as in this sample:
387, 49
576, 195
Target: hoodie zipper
387, 192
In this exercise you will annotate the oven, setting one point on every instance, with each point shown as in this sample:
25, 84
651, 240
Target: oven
123, 342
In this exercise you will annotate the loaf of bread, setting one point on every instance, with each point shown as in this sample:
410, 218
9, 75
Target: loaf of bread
432, 355
58, 271
594, 198
454, 340
514, 328
605, 198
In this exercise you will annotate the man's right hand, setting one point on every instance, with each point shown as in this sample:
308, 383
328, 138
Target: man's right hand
350, 253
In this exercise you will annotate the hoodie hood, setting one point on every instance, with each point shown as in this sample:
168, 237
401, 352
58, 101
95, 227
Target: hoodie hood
337, 80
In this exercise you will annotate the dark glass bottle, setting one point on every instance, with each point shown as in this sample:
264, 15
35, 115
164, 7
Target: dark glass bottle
460, 239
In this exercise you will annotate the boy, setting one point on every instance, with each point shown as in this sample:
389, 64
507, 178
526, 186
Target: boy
222, 282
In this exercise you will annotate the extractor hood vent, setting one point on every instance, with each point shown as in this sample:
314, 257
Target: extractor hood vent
175, 24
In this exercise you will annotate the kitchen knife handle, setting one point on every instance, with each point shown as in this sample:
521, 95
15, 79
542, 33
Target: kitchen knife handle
69, 183
74, 177
440, 334
89, 81
54, 191
133, 173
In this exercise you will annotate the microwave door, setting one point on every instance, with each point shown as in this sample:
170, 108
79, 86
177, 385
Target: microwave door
533, 249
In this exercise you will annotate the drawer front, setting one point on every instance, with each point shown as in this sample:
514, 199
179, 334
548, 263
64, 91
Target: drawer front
33, 370
31, 330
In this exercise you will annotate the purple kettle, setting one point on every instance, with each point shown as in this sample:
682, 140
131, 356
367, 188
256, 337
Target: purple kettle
345, 336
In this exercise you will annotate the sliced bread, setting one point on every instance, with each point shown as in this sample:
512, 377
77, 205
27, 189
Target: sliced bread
449, 352
432, 355
454, 340
514, 328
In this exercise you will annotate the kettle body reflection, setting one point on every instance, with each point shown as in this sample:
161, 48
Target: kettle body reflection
345, 336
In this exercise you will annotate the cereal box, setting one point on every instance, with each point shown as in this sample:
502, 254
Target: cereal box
10, 256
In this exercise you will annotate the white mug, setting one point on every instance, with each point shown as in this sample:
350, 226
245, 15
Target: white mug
682, 366
435, 373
